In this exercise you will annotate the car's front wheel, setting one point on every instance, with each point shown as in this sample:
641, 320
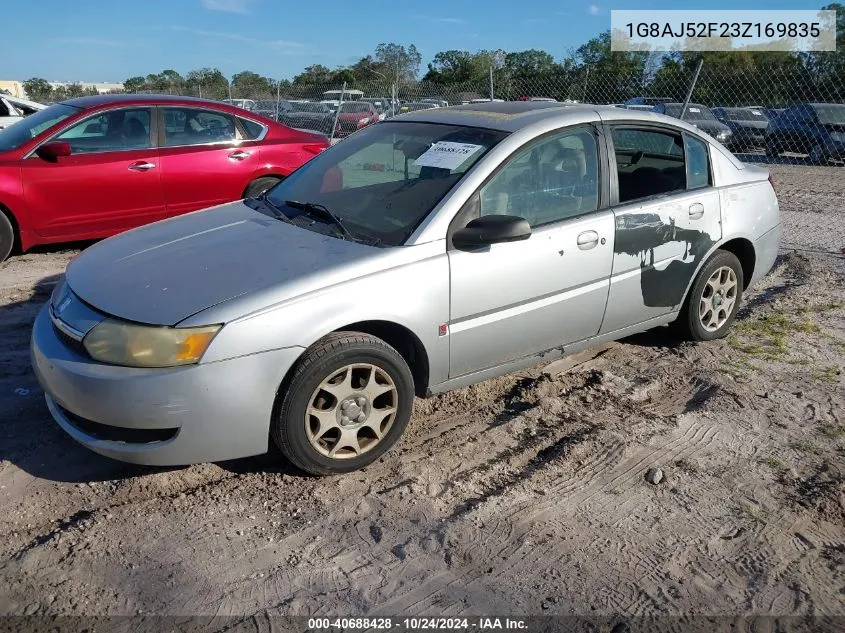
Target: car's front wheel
713, 300
346, 403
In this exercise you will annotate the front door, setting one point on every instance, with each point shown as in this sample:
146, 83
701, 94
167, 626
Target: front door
668, 218
109, 183
517, 299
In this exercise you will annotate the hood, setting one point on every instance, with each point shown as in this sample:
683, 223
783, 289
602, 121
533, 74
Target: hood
165, 272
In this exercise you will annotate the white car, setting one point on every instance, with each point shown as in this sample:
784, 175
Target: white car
13, 109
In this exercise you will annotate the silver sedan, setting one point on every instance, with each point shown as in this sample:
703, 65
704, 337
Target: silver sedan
422, 254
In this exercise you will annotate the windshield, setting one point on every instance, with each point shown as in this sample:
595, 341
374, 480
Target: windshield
695, 112
309, 107
741, 114
831, 114
385, 179
27, 129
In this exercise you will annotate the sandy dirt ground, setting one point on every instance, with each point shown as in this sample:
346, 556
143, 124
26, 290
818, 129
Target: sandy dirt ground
520, 495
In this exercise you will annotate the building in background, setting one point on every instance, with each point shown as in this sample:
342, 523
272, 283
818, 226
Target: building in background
14, 88
102, 87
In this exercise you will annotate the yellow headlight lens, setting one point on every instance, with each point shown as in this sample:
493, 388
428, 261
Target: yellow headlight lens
133, 345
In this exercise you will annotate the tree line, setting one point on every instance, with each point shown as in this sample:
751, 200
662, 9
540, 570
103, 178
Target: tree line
589, 73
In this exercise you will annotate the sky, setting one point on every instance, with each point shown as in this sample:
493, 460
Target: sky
111, 40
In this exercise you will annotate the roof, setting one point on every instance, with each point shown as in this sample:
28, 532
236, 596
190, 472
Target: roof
507, 116
104, 99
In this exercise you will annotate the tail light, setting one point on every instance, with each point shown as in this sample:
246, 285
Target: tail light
313, 148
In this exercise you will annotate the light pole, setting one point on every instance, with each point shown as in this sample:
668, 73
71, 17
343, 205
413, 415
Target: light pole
392, 88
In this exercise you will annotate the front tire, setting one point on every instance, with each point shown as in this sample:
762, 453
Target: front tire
347, 402
713, 300
7, 237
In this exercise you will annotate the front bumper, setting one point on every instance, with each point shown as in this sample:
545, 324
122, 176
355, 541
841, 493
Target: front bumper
164, 417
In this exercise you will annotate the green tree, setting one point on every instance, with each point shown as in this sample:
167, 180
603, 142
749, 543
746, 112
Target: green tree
135, 84
402, 64
74, 90
207, 82
252, 85
38, 89
314, 74
605, 76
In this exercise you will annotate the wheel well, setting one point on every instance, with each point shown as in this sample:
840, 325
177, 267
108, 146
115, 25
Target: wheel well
744, 251
279, 177
403, 341
15, 227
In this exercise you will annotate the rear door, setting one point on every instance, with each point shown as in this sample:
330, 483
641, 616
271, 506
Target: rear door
520, 298
109, 183
207, 157
667, 217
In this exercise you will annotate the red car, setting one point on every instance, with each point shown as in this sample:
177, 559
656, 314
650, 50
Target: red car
95, 166
353, 116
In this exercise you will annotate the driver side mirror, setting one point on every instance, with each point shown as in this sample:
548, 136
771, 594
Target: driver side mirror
54, 150
491, 229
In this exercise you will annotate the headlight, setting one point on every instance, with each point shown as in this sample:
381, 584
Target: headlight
132, 345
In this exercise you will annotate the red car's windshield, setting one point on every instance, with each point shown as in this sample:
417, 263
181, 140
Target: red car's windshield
27, 129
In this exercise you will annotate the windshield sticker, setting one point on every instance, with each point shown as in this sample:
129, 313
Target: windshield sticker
446, 154
694, 110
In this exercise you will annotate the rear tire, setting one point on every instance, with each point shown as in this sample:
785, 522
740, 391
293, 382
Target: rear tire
348, 400
7, 237
713, 300
260, 185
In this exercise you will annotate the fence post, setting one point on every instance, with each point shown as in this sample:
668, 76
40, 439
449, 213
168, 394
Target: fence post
491, 82
229, 87
691, 88
278, 97
337, 112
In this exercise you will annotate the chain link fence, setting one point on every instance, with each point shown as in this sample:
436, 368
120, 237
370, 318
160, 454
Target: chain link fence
775, 116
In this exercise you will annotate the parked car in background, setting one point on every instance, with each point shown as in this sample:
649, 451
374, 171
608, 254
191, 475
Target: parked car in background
747, 125
91, 167
440, 103
13, 109
639, 107
354, 115
310, 115
272, 109
246, 104
492, 238
699, 116
815, 129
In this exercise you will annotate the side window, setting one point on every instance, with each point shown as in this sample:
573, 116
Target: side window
114, 131
553, 179
698, 163
648, 162
196, 126
253, 130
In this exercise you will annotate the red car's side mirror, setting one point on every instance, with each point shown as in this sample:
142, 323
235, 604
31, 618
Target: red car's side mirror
54, 150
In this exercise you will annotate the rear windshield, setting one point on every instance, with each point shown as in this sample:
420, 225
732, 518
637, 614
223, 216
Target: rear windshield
831, 114
741, 114
27, 129
695, 112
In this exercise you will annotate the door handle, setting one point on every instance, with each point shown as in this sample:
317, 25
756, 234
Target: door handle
141, 166
240, 155
696, 211
587, 240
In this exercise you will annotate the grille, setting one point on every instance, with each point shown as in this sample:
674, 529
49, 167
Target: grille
70, 342
117, 433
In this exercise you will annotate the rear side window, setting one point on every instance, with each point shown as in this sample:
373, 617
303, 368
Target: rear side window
648, 162
252, 129
698, 163
195, 126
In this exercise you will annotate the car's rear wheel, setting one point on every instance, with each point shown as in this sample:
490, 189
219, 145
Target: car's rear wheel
713, 300
7, 237
346, 403
260, 185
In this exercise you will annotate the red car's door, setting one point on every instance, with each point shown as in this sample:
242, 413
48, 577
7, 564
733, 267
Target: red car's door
109, 183
204, 158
